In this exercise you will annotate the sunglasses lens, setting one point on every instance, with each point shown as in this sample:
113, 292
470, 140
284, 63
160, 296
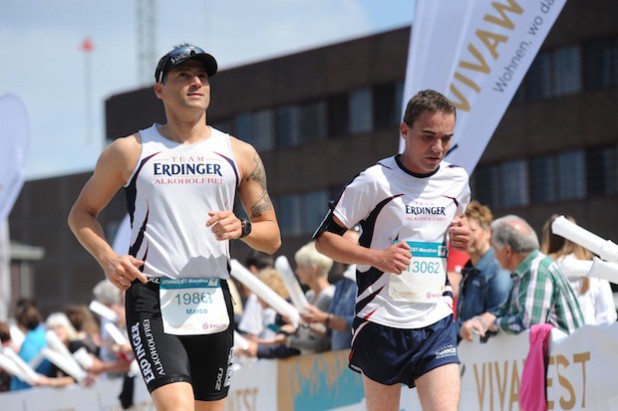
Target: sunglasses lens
173, 56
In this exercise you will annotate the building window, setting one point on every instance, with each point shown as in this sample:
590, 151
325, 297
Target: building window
338, 115
486, 185
361, 119
543, 179
515, 184
315, 206
571, 169
567, 71
286, 125
385, 107
263, 130
242, 127
223, 125
399, 103
601, 171
312, 122
538, 80
288, 215
600, 63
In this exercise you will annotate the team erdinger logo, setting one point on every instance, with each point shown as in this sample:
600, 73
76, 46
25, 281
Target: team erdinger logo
187, 170
425, 210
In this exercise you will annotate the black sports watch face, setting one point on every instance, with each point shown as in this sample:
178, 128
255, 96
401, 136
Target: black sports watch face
246, 227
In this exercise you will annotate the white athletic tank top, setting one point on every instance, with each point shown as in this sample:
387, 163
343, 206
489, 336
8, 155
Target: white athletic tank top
169, 195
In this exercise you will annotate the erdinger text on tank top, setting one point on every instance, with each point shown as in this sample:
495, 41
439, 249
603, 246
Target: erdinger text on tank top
393, 204
169, 195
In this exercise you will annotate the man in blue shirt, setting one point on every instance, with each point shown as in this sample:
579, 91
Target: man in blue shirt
484, 286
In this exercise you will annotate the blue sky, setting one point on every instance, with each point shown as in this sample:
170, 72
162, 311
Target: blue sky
42, 62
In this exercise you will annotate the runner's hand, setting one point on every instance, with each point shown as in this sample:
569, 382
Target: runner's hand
393, 259
124, 270
224, 225
460, 233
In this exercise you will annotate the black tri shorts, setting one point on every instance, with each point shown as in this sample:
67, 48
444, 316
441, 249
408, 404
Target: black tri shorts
204, 361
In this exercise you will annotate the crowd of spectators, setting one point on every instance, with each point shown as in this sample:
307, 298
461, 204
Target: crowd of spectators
497, 289
84, 337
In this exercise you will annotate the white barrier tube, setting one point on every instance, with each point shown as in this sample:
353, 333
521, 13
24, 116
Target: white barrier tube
83, 358
264, 292
240, 341
605, 249
299, 299
55, 344
605, 270
573, 268
133, 369
117, 335
68, 360
29, 375
10, 367
68, 365
103, 310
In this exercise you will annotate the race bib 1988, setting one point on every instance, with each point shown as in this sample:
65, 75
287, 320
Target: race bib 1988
424, 279
192, 306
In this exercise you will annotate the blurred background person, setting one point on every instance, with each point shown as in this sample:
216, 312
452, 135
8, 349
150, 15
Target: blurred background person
5, 341
541, 294
61, 326
312, 269
255, 318
273, 347
30, 321
594, 294
111, 350
86, 326
455, 261
485, 285
339, 316
59, 323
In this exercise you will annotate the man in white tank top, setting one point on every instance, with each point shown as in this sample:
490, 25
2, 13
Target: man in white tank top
408, 206
180, 180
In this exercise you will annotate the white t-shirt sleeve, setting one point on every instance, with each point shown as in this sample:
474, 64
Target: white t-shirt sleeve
353, 206
463, 199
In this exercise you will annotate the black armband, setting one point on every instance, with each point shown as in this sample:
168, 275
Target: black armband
329, 224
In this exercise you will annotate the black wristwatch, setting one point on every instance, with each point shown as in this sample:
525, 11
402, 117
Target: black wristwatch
246, 227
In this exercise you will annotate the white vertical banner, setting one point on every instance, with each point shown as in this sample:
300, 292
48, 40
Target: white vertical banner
476, 53
13, 155
5, 271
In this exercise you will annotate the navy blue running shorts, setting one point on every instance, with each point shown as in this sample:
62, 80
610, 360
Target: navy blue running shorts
204, 361
393, 355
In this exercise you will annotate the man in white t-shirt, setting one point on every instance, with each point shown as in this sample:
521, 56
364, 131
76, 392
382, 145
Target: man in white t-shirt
409, 207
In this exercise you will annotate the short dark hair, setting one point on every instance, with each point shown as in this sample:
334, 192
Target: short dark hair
29, 317
260, 260
427, 100
5, 332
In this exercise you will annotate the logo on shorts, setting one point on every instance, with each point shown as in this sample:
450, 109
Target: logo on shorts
219, 379
448, 351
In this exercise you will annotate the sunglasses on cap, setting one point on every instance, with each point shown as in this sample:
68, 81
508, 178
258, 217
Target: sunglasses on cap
181, 54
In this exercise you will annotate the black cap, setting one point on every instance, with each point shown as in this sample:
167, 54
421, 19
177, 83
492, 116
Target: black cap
179, 55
